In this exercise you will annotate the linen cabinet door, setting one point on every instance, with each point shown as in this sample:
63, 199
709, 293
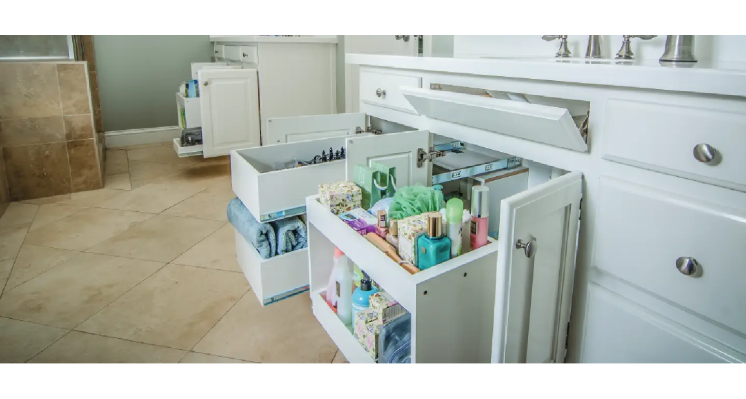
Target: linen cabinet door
304, 128
399, 150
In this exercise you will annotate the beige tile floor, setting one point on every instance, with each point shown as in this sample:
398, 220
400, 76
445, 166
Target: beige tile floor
141, 271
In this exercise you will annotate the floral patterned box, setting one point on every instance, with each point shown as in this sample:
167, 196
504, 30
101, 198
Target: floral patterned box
340, 197
409, 229
366, 331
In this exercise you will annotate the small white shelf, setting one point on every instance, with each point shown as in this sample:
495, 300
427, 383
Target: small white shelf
192, 111
188, 151
452, 304
338, 332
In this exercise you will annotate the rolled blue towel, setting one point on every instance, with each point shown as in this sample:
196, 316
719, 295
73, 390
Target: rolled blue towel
260, 235
291, 234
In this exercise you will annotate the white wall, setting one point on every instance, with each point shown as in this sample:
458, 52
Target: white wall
718, 48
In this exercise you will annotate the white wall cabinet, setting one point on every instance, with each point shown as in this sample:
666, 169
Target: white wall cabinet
297, 76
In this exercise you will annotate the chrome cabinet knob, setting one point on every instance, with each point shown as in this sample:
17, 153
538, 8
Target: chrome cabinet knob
205, 83
380, 93
216, 51
704, 153
529, 248
245, 55
689, 266
397, 37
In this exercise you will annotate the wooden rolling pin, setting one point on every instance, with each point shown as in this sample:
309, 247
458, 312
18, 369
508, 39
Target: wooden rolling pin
389, 250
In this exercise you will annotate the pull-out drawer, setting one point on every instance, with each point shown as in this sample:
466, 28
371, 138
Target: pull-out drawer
383, 88
536, 122
704, 144
275, 278
272, 193
495, 299
654, 239
245, 54
619, 331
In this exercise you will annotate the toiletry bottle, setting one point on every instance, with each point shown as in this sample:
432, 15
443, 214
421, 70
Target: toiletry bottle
466, 232
433, 247
454, 215
343, 288
361, 296
480, 213
393, 236
331, 286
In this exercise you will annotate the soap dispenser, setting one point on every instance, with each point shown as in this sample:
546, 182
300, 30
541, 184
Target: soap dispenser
433, 247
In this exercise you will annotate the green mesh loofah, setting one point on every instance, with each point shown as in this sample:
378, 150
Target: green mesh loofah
414, 200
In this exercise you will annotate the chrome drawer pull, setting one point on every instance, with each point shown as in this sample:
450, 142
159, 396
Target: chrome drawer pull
689, 266
705, 153
529, 248
380, 93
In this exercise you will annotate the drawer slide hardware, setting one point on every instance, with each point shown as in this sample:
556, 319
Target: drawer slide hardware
369, 129
271, 217
423, 156
508, 163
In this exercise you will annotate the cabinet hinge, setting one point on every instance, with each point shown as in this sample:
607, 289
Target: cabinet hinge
423, 156
369, 129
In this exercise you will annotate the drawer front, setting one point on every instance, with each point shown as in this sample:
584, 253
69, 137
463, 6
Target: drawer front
663, 137
275, 278
249, 55
232, 53
383, 89
619, 331
219, 51
642, 234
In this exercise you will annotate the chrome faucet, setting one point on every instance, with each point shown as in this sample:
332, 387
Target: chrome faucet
594, 47
625, 53
679, 48
563, 51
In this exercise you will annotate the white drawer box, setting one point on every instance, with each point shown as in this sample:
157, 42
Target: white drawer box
613, 322
663, 137
271, 194
642, 232
275, 278
381, 88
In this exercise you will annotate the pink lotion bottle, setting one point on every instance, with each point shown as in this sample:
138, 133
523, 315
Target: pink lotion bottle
480, 212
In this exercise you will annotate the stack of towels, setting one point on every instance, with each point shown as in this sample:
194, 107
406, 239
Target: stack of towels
269, 239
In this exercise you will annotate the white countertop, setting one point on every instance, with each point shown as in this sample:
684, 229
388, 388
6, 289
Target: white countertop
700, 77
273, 39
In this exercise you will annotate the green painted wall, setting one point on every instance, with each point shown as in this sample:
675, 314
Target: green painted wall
138, 76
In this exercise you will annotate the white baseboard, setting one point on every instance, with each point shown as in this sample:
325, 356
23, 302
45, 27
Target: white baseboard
126, 138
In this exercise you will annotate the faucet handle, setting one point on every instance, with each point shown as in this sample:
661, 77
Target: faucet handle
643, 37
563, 51
625, 53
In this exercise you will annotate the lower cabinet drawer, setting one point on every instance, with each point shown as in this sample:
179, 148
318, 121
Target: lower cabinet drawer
275, 278
620, 331
650, 238
380, 88
270, 192
677, 139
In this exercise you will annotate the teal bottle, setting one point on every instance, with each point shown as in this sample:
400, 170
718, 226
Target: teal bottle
433, 247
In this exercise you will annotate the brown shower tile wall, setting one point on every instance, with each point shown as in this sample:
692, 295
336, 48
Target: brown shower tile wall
46, 130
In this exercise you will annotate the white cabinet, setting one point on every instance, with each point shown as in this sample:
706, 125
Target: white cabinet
222, 92
297, 77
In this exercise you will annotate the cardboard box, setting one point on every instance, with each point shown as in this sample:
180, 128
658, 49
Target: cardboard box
409, 229
340, 197
387, 308
366, 331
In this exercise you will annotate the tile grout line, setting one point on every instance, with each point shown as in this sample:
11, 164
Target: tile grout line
124, 293
221, 319
48, 346
40, 274
15, 259
227, 357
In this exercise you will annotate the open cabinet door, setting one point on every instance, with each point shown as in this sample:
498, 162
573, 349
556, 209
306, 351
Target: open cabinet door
535, 270
394, 149
230, 110
313, 127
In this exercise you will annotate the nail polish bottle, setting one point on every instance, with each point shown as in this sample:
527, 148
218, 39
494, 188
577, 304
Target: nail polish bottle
480, 212
433, 247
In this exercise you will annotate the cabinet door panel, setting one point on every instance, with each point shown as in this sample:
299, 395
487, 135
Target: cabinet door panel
395, 149
304, 128
230, 110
